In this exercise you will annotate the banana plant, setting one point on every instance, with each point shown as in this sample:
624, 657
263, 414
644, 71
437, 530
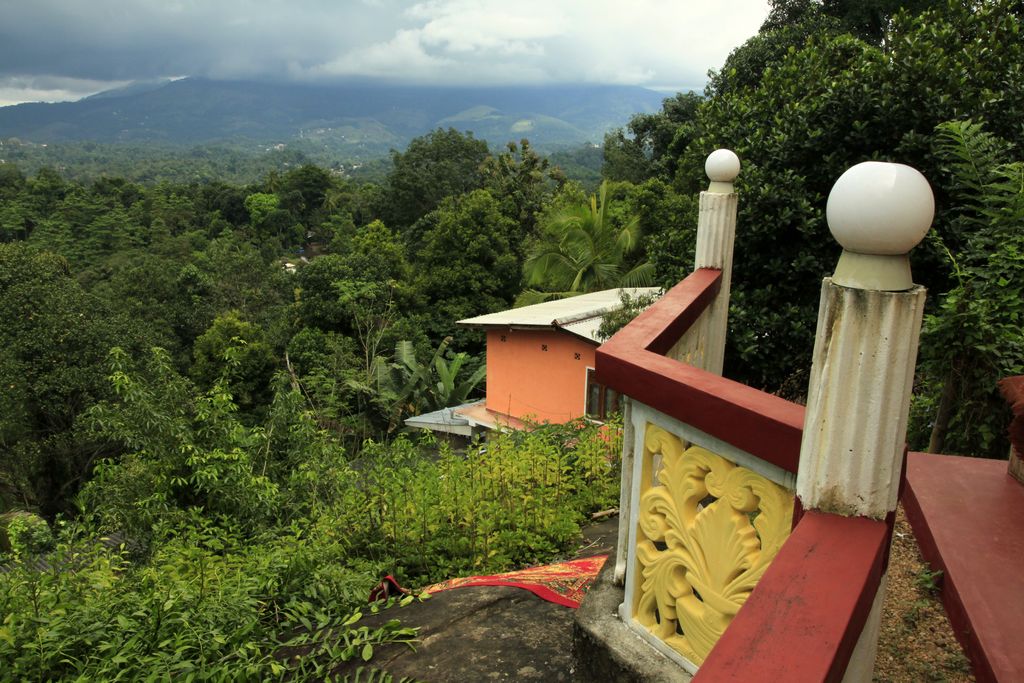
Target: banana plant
435, 384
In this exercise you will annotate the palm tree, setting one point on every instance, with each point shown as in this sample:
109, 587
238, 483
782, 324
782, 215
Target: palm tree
582, 250
334, 198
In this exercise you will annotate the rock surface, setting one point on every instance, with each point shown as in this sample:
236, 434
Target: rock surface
487, 633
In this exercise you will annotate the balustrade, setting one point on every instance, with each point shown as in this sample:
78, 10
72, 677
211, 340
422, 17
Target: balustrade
710, 466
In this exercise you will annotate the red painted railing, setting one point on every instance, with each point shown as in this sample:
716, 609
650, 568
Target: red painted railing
633, 363
802, 621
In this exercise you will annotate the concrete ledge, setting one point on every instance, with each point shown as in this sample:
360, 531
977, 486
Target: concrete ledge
605, 650
966, 515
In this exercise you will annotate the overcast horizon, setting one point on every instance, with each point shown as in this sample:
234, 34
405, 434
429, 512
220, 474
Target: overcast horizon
61, 50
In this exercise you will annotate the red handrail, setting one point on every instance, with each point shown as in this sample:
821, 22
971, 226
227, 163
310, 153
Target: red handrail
633, 363
803, 620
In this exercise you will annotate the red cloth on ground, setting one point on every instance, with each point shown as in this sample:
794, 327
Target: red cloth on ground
564, 583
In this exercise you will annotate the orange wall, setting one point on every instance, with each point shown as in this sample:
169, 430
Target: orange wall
524, 380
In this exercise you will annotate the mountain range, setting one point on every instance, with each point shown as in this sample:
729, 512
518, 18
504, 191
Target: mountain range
361, 118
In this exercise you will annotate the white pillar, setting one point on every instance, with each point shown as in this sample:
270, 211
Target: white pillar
625, 491
869, 322
862, 374
704, 345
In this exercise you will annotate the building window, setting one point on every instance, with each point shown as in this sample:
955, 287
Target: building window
602, 401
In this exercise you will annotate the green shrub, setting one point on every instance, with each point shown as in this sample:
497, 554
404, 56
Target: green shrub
208, 605
973, 338
251, 545
516, 499
24, 533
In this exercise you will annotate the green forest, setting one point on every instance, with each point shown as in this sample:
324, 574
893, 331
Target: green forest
203, 465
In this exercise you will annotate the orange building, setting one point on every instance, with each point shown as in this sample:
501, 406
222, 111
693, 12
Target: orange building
540, 365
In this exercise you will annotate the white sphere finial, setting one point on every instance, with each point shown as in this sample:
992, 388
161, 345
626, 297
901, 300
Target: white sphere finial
878, 212
880, 208
722, 166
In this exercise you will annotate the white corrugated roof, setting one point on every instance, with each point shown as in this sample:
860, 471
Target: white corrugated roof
464, 419
580, 315
444, 420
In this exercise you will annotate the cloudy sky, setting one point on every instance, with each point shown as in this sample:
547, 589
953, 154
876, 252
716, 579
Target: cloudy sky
65, 49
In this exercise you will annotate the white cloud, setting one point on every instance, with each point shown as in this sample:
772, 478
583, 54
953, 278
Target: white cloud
403, 58
653, 42
16, 89
644, 42
478, 25
647, 42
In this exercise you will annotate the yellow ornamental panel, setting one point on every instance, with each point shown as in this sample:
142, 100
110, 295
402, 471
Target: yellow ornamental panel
706, 532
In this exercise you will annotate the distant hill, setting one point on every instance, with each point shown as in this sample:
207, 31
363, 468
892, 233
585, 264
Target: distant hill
349, 120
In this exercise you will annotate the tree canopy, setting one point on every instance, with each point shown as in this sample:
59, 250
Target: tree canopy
442, 164
828, 102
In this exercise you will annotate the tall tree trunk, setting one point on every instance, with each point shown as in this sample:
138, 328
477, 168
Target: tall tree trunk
944, 412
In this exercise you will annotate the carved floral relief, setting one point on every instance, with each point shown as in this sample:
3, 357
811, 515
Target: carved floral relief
707, 531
